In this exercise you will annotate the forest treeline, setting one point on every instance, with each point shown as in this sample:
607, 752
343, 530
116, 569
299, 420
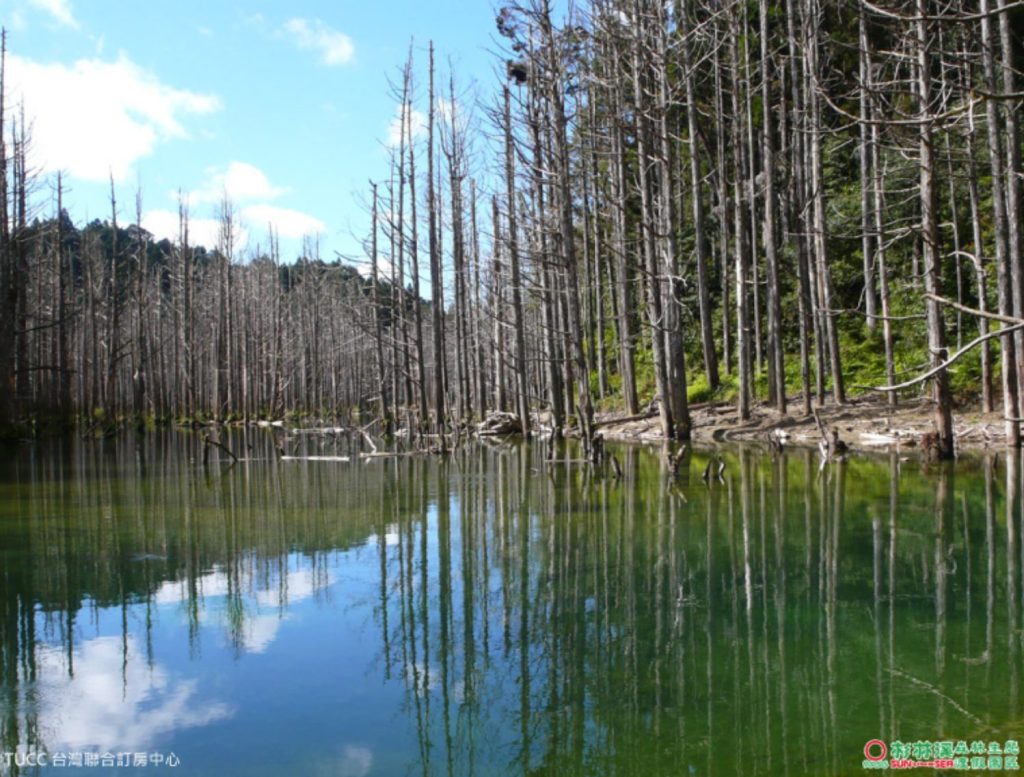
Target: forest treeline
659, 202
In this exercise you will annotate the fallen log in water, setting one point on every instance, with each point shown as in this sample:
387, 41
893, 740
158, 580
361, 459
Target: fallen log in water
878, 438
315, 458
626, 419
212, 440
359, 457
499, 423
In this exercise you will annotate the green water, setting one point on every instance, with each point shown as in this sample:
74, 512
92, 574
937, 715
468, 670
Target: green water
495, 613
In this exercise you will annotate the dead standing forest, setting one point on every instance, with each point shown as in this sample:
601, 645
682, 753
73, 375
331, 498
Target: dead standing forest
659, 203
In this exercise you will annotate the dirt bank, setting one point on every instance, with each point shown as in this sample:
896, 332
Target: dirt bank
865, 423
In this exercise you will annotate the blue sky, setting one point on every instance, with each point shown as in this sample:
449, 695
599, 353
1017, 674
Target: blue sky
284, 104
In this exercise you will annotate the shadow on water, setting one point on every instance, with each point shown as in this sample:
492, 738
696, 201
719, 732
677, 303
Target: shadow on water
497, 612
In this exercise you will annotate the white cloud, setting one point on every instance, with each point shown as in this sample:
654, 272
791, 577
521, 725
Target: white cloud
248, 186
240, 182
96, 118
416, 118
445, 111
449, 110
60, 10
335, 48
384, 270
201, 231
287, 222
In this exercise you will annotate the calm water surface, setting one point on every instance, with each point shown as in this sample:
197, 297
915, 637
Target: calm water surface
495, 613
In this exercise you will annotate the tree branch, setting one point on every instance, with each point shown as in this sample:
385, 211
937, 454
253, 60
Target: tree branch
955, 357
975, 312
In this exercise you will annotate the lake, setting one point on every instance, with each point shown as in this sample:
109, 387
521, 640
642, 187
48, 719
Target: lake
495, 612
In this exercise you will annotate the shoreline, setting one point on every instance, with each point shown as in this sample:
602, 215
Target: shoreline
866, 424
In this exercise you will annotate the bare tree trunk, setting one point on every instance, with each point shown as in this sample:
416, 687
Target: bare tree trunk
21, 267
627, 359
548, 306
1004, 269
436, 280
930, 238
400, 289
479, 369
8, 278
820, 240
674, 350
797, 206
64, 364
878, 211
556, 99
776, 361
743, 328
512, 242
876, 206
592, 174
113, 313
867, 239
498, 303
648, 223
753, 265
723, 203
978, 264
378, 336
417, 302
141, 375
1010, 40
459, 272
707, 329
553, 356
191, 360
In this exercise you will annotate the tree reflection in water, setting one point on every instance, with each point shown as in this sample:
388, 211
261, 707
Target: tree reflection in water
533, 616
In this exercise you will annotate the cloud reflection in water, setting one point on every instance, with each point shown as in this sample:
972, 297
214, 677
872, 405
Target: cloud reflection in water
115, 701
